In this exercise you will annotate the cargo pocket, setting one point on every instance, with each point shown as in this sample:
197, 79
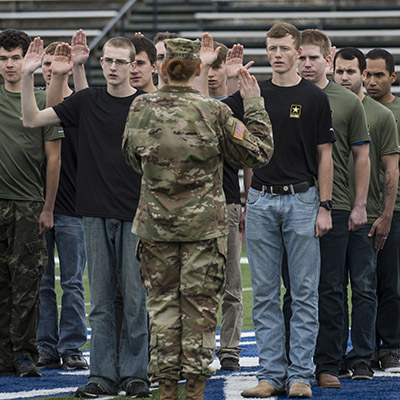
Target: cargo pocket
36, 257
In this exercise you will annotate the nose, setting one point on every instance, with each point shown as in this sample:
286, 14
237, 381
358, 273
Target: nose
9, 62
307, 63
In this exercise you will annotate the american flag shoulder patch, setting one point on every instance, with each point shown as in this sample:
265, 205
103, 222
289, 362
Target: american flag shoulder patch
239, 131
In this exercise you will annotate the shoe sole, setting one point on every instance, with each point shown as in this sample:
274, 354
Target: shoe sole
392, 369
359, 377
30, 374
230, 369
73, 368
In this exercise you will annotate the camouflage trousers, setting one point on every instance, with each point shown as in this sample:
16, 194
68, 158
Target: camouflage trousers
184, 282
23, 259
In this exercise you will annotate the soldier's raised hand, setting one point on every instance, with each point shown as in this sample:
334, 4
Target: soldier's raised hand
207, 53
33, 57
79, 46
234, 61
63, 60
248, 84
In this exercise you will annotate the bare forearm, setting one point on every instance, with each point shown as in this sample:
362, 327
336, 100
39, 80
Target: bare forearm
361, 178
390, 190
201, 82
325, 176
52, 177
80, 81
28, 101
54, 94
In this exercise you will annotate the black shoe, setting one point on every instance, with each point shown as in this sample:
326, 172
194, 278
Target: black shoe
138, 389
75, 362
362, 371
91, 390
344, 373
24, 367
6, 370
375, 364
47, 361
390, 361
230, 364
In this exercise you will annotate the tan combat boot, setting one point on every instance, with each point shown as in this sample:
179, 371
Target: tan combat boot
195, 389
168, 389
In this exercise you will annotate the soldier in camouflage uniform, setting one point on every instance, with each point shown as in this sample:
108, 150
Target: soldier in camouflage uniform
177, 138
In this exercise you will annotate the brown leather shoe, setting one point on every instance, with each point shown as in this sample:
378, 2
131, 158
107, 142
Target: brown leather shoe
263, 389
329, 381
300, 389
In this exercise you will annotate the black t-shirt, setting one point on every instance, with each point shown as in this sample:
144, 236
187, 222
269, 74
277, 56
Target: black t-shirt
301, 120
65, 203
106, 186
230, 183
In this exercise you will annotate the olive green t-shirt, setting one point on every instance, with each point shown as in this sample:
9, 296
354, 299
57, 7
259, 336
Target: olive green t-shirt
394, 107
350, 127
384, 141
21, 149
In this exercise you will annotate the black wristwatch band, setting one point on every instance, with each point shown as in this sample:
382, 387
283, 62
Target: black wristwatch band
328, 204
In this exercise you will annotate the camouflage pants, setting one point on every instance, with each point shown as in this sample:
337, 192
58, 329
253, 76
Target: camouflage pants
183, 282
23, 259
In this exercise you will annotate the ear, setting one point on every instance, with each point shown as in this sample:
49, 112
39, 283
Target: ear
393, 77
198, 70
153, 67
364, 75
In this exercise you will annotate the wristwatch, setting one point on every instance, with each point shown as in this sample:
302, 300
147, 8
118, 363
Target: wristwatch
328, 204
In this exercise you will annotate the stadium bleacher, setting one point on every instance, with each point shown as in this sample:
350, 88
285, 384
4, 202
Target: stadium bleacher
361, 23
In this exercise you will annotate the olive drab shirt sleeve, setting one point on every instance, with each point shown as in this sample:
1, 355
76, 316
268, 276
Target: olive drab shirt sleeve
249, 145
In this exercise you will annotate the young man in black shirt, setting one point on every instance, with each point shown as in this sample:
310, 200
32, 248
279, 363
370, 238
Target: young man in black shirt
107, 197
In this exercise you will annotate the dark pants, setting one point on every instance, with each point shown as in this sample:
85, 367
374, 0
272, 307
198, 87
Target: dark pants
361, 263
388, 290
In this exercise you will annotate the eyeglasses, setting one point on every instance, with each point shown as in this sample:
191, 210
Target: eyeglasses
110, 61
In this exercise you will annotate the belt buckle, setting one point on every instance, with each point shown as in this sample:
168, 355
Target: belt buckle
272, 191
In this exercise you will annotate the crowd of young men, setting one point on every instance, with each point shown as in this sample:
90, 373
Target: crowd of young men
326, 209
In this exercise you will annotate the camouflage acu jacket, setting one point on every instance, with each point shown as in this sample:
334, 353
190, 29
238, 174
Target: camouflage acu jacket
177, 138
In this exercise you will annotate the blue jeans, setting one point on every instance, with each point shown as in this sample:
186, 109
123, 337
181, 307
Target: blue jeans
63, 338
110, 249
388, 292
272, 224
328, 352
361, 263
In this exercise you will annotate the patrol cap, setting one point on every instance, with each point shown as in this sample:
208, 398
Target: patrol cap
183, 48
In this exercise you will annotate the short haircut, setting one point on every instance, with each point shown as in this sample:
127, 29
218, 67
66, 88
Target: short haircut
376, 54
350, 53
282, 29
123, 43
11, 39
161, 36
317, 38
51, 48
142, 43
221, 58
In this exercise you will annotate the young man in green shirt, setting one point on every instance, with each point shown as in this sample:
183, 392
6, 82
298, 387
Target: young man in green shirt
25, 215
349, 124
349, 71
379, 76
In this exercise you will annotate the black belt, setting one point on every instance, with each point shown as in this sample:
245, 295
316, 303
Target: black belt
284, 189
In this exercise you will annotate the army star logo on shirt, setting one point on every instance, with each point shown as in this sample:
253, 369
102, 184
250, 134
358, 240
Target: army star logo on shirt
295, 111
